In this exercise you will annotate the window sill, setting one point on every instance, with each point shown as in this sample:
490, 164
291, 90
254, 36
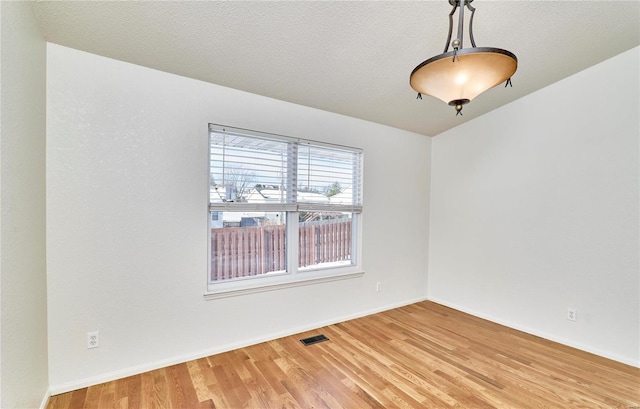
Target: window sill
262, 287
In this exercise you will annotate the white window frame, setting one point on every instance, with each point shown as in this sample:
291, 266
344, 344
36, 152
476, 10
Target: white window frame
293, 276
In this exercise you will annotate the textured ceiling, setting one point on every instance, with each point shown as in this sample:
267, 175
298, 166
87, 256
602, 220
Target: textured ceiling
352, 58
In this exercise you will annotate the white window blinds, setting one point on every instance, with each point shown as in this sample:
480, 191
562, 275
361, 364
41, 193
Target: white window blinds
332, 171
250, 170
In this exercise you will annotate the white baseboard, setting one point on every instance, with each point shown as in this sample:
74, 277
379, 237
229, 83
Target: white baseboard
45, 399
541, 334
111, 376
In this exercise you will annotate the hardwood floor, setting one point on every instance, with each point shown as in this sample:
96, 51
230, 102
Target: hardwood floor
419, 356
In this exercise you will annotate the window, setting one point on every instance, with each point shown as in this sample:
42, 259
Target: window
282, 210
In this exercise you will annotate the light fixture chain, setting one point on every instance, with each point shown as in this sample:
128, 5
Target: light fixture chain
461, 26
453, 10
473, 11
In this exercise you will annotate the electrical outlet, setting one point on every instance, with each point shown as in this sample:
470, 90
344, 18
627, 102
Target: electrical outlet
93, 340
572, 314
378, 286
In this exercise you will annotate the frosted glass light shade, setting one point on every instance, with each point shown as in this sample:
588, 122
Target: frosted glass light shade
474, 71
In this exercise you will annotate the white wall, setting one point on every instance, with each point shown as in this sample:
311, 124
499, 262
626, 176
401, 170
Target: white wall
127, 219
534, 209
23, 314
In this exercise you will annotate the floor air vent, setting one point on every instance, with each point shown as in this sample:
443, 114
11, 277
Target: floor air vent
314, 340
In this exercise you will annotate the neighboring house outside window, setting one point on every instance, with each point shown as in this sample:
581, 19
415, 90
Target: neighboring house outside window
281, 209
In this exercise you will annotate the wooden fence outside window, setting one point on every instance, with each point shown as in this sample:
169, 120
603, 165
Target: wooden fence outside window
251, 251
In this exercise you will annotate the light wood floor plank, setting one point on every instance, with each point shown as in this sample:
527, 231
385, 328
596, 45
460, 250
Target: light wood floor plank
423, 355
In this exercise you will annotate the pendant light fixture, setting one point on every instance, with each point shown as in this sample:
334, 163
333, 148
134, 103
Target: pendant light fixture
458, 76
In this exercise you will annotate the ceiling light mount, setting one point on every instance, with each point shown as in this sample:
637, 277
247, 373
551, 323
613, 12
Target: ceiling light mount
459, 75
